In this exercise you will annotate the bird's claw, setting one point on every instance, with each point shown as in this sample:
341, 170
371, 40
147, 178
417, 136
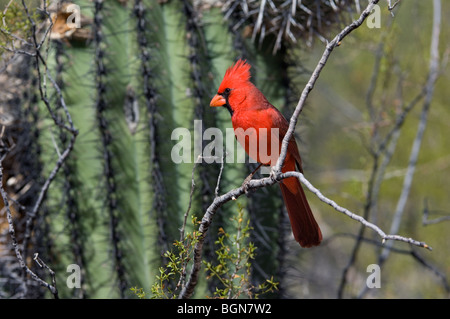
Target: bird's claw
246, 183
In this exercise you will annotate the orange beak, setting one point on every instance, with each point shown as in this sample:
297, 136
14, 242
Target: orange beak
218, 100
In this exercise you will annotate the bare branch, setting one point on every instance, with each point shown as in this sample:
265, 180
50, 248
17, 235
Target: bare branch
219, 178
392, 6
38, 37
426, 213
14, 242
384, 150
70, 127
191, 194
429, 89
42, 264
428, 92
352, 215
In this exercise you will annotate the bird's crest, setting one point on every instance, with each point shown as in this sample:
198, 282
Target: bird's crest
236, 75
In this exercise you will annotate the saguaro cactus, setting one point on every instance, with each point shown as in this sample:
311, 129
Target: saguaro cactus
131, 74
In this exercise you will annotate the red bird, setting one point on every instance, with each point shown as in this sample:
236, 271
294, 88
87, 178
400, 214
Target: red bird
253, 117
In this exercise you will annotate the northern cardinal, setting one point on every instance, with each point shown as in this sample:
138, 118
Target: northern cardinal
251, 112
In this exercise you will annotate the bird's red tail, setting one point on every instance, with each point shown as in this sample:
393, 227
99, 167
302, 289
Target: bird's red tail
304, 227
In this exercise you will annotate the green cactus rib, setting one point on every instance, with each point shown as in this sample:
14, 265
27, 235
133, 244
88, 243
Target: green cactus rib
176, 74
101, 104
146, 150
69, 191
144, 11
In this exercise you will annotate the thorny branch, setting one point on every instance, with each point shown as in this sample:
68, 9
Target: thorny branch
15, 243
37, 45
276, 174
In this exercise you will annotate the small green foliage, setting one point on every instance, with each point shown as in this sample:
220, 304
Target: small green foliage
172, 276
14, 24
139, 292
233, 268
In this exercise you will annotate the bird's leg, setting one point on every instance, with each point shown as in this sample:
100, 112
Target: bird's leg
249, 178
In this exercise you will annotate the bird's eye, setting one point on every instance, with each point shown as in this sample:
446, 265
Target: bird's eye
227, 91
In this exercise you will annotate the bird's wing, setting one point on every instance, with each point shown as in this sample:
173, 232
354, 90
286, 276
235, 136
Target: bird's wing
282, 124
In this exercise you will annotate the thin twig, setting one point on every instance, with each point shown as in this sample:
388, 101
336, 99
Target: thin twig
4, 12
392, 6
15, 244
313, 79
352, 215
191, 194
42, 264
432, 77
219, 178
237, 266
429, 89
426, 221
31, 216
385, 150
